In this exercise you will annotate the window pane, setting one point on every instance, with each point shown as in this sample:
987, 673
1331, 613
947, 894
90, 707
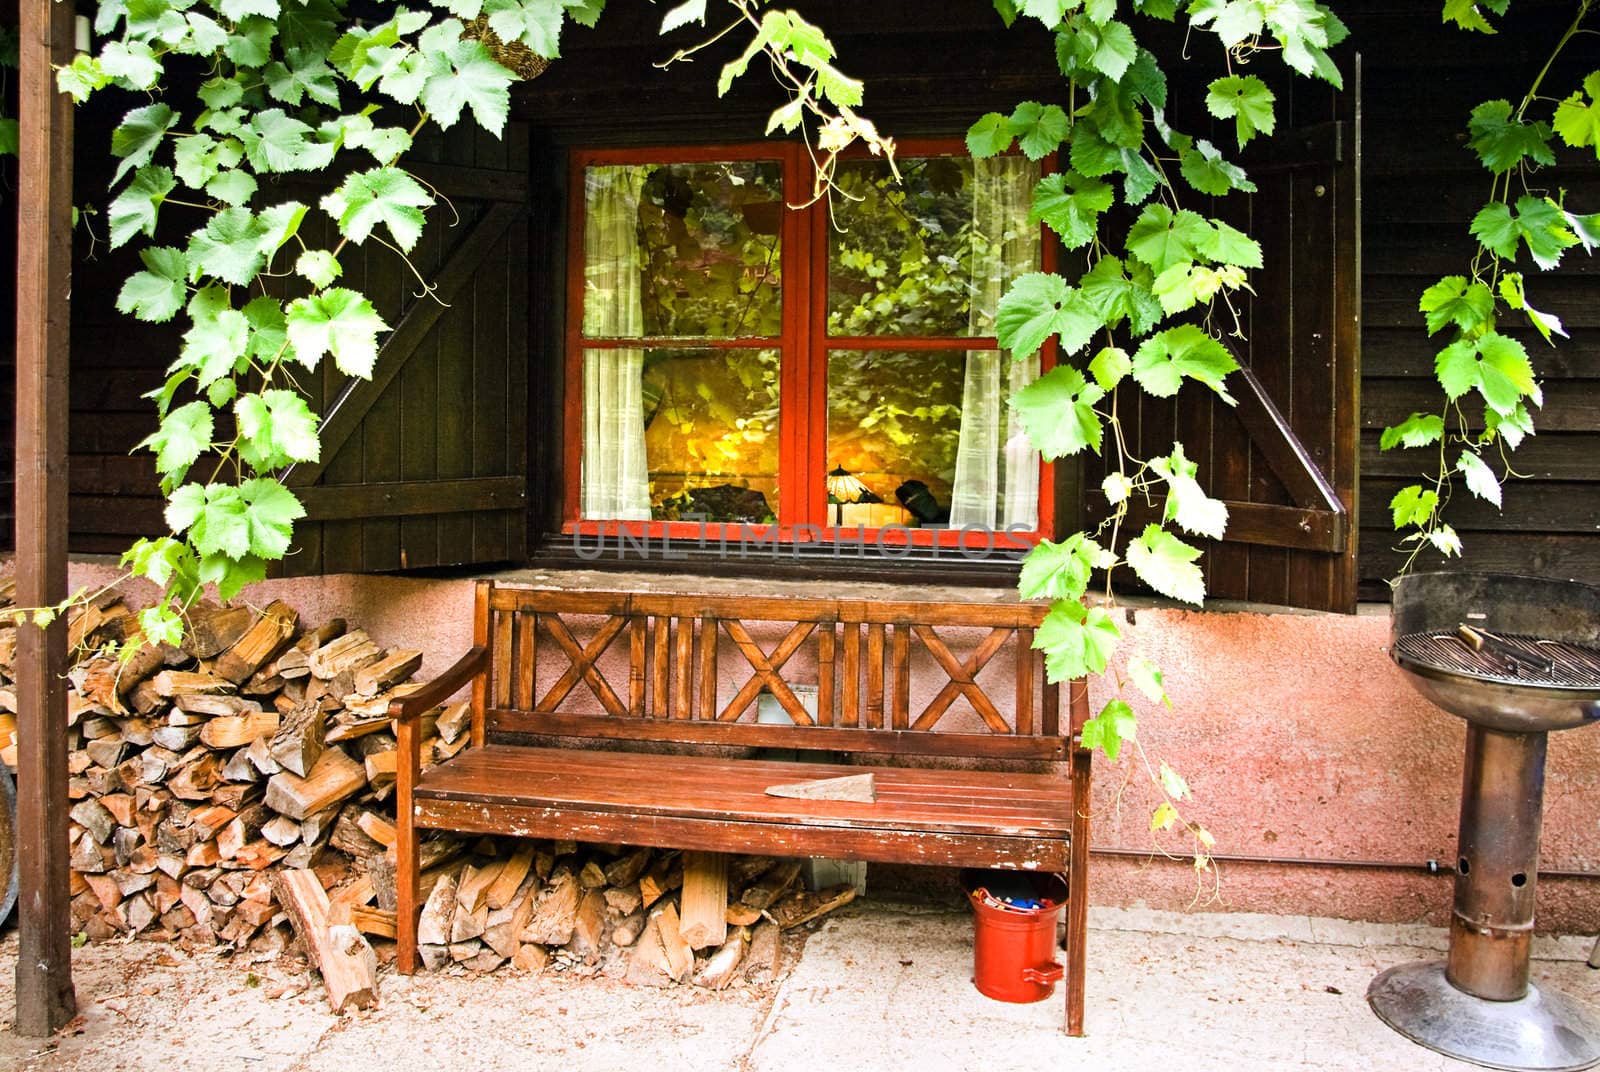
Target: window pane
669, 434
683, 249
931, 439
931, 256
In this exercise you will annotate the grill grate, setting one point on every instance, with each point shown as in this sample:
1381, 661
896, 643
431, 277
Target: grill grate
1565, 665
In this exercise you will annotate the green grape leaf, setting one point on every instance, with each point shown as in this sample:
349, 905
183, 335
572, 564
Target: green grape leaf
1187, 503
1417, 430
462, 74
1075, 640
1173, 783
1175, 288
219, 338
239, 9
339, 322
1057, 411
319, 266
1115, 296
1116, 488
1247, 101
1546, 324
383, 195
276, 428
230, 575
1512, 427
1113, 725
135, 209
198, 157
1480, 479
1538, 222
250, 44
1114, 50
1455, 300
1040, 305
1070, 205
1445, 540
232, 187
683, 14
183, 435
1205, 169
1413, 505
233, 247
272, 510
1162, 238
131, 64
1585, 228
1577, 120
1109, 366
1039, 128
1465, 14
220, 92
82, 77
1166, 358
1148, 679
1495, 365
275, 141
1049, 12
139, 135
1167, 564
990, 136
1059, 570
1502, 142
535, 23
156, 294
1229, 245
269, 337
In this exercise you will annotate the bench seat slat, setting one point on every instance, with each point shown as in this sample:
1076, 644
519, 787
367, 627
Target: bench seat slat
911, 802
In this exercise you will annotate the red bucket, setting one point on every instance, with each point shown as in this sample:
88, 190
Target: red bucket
1013, 951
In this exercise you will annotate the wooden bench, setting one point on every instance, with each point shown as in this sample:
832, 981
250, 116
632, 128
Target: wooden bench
688, 670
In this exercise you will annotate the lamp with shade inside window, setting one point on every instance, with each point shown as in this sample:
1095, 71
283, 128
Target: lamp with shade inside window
843, 487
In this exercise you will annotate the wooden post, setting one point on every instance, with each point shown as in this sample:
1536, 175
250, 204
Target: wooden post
45, 998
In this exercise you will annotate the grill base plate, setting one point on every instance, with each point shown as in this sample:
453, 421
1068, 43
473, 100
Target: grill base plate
1545, 1031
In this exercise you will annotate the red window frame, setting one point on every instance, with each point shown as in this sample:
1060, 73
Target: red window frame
803, 365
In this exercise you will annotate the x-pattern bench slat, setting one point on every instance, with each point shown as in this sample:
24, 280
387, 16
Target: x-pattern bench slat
766, 671
963, 679
583, 664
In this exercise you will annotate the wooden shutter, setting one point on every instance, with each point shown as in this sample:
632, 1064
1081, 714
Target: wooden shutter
426, 463
1284, 459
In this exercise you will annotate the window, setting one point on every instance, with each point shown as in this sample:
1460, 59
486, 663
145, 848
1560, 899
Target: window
826, 370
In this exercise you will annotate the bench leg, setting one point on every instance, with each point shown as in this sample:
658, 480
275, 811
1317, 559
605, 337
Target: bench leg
405, 850
1078, 866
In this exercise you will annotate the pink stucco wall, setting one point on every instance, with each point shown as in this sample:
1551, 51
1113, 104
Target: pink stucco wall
1297, 735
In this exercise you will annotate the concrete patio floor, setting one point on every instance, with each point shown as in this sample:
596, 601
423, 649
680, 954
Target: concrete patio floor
878, 987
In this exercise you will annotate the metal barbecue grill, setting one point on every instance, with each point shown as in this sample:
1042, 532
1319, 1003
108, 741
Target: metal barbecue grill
1516, 657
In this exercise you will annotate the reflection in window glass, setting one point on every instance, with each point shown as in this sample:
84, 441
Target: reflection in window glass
683, 249
707, 434
930, 257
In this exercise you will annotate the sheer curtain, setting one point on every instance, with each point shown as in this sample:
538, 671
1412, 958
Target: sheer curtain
997, 470
616, 481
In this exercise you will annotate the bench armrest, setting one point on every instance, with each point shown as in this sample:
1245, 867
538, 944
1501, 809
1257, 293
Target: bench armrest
441, 688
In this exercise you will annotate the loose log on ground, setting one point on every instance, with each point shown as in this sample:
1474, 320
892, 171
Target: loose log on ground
348, 966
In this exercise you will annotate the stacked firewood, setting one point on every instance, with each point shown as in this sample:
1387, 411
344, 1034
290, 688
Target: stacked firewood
651, 917
195, 771
238, 790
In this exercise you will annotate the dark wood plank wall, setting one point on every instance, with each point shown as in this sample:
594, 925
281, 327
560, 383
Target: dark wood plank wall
1422, 186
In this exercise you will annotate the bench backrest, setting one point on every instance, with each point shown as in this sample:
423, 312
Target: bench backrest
889, 677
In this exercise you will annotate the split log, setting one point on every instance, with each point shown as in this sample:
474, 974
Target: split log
433, 926
555, 914
266, 637
625, 870
378, 922
804, 905
679, 955
349, 652
510, 880
770, 886
764, 959
387, 672
588, 927
348, 966
719, 968
703, 904
335, 777
237, 731
214, 630
298, 743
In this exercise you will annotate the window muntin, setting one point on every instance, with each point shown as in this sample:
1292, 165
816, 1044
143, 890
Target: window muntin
899, 335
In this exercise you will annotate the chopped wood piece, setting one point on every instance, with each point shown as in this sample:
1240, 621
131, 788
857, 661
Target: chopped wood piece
260, 753
196, 780
454, 720
95, 818
624, 900
212, 630
281, 830
860, 787
335, 777
295, 661
764, 959
628, 928
236, 731
265, 638
348, 966
665, 874
592, 877
378, 922
387, 672
508, 882
217, 705
531, 958
625, 870
740, 914
588, 928
170, 683
720, 967
376, 829
703, 904
467, 924
298, 743
349, 652
770, 886
555, 912
679, 955
433, 927
803, 905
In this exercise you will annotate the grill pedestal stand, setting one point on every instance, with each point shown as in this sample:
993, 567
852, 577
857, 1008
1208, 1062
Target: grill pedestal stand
1478, 1004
